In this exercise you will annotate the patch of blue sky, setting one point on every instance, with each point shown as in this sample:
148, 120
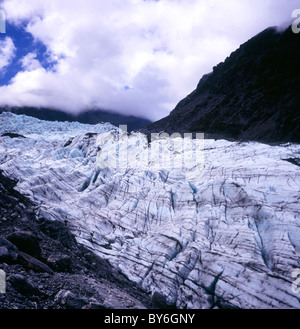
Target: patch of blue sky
24, 43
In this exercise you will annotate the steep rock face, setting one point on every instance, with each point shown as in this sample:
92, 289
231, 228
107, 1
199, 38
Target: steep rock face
222, 234
253, 95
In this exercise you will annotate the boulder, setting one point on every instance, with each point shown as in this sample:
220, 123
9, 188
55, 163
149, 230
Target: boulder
26, 241
32, 263
67, 299
8, 251
23, 285
60, 262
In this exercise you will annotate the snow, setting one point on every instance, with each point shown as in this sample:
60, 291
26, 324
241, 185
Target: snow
221, 230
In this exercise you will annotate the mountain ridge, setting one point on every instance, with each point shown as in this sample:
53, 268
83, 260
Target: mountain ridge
89, 116
253, 95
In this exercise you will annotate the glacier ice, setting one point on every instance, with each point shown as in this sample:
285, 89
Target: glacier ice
224, 233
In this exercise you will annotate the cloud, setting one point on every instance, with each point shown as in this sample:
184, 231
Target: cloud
30, 63
132, 56
7, 52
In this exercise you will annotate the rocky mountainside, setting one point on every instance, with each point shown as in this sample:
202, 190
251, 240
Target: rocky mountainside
220, 231
253, 95
47, 269
90, 117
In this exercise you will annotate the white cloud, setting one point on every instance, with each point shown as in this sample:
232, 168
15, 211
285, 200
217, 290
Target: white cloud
30, 63
7, 52
159, 49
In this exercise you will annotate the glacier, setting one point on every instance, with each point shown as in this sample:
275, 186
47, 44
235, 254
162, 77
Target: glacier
223, 234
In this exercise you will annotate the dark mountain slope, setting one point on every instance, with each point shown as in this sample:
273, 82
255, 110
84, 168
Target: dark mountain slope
253, 95
91, 116
47, 269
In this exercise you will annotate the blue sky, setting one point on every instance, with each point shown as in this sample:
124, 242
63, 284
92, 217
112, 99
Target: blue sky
24, 43
131, 56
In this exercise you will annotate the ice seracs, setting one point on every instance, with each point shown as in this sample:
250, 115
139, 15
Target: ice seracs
226, 236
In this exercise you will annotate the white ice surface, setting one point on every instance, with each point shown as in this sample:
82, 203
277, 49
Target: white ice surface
227, 236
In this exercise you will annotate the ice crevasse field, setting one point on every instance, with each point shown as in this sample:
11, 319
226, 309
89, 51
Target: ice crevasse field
223, 231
